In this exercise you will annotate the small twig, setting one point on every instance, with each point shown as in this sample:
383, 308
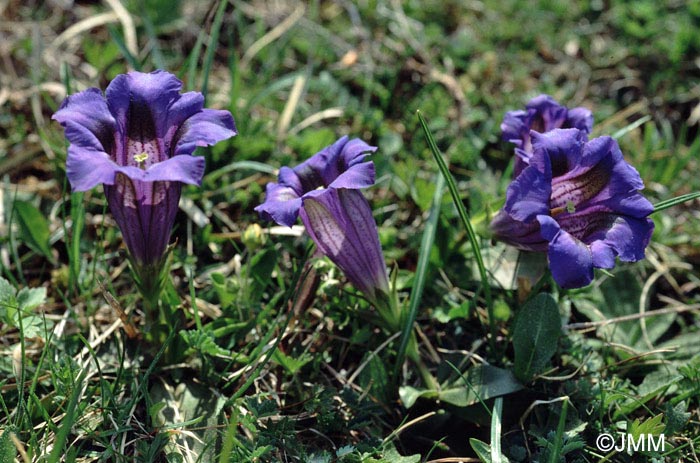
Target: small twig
128, 25
291, 106
396, 432
78, 28
330, 113
662, 270
636, 316
532, 407
371, 355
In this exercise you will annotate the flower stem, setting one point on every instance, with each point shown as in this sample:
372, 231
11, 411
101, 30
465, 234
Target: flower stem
150, 280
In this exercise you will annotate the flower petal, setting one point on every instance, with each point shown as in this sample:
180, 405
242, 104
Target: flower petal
145, 213
341, 224
355, 151
154, 92
87, 168
560, 148
331, 165
357, 176
183, 168
189, 104
528, 195
86, 113
282, 204
514, 127
579, 118
570, 260
628, 237
545, 114
205, 128
523, 235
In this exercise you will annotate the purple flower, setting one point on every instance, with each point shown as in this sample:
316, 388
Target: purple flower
137, 140
541, 114
324, 190
579, 201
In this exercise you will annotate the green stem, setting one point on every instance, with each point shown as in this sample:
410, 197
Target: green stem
413, 354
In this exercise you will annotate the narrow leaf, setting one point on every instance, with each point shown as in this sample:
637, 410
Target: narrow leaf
496, 454
211, 46
481, 449
77, 213
555, 456
421, 272
665, 204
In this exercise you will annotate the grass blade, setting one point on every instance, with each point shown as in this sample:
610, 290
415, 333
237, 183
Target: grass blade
211, 46
555, 456
68, 420
192, 61
625, 130
467, 225
665, 204
496, 454
131, 60
157, 55
421, 271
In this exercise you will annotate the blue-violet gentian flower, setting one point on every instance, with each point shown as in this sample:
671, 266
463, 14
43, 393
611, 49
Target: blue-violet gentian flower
137, 140
579, 201
325, 191
541, 114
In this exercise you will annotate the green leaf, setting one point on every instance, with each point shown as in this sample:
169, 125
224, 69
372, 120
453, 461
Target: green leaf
7, 291
478, 384
30, 298
496, 454
676, 418
653, 426
393, 456
261, 266
8, 452
32, 326
535, 335
204, 343
482, 450
665, 204
34, 227
77, 213
191, 407
375, 377
8, 301
291, 364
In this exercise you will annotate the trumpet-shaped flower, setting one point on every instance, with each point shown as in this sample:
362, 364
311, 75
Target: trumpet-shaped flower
579, 201
541, 114
324, 191
137, 140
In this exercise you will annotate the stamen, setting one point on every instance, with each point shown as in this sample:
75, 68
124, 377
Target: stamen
557, 210
140, 158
